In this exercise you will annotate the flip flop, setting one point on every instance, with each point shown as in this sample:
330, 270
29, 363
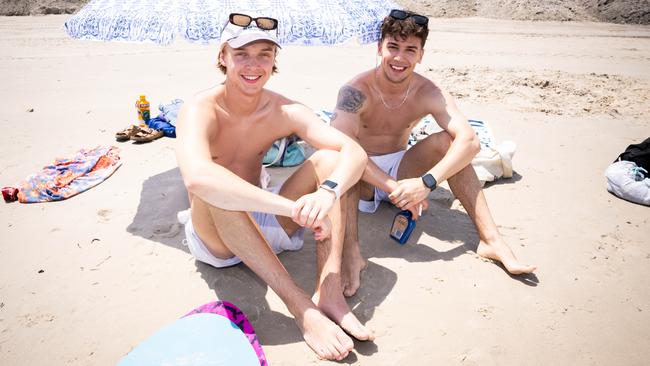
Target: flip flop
146, 134
125, 134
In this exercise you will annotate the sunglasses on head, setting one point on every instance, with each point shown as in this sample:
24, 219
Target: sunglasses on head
402, 15
244, 20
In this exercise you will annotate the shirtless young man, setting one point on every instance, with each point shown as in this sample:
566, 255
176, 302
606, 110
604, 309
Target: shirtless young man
379, 107
222, 137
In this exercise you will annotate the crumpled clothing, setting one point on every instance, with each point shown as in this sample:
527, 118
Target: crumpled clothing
492, 163
169, 112
158, 123
629, 182
69, 177
166, 120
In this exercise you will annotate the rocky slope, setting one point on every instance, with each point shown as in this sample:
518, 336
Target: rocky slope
614, 11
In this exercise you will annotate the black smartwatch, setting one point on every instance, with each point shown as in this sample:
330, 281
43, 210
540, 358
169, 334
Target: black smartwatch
429, 181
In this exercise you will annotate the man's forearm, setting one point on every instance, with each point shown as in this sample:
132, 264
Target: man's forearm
376, 177
221, 188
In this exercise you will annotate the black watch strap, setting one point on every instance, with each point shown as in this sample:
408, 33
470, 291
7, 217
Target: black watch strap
429, 181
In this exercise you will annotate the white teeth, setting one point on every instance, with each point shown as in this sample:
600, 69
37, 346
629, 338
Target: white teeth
398, 68
250, 77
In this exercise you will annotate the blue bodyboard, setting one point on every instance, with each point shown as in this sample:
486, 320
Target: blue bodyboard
199, 340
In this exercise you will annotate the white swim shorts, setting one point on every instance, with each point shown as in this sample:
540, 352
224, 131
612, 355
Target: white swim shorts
271, 229
389, 163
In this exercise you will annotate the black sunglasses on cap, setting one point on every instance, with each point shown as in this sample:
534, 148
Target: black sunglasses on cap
243, 20
401, 15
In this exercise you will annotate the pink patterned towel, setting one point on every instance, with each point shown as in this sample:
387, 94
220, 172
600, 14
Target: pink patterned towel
69, 177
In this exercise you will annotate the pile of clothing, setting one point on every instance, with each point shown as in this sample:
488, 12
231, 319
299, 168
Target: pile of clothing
162, 125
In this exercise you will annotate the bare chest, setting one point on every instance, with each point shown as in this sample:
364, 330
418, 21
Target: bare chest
240, 146
383, 122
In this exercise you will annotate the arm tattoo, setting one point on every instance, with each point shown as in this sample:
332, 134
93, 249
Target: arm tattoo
350, 99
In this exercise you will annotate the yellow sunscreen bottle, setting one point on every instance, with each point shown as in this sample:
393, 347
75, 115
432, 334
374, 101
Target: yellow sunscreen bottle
142, 106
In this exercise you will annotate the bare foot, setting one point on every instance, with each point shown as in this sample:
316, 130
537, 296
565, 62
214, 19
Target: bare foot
351, 268
498, 250
338, 310
324, 337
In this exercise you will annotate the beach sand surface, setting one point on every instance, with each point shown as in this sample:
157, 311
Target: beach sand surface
83, 281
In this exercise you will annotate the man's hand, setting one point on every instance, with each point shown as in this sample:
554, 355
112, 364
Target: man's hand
409, 194
322, 229
389, 186
417, 209
311, 209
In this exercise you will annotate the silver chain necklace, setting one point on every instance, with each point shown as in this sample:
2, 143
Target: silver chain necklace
408, 90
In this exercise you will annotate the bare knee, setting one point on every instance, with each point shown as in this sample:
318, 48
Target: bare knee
324, 162
441, 143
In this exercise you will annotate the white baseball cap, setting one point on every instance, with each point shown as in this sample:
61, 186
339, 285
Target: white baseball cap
237, 36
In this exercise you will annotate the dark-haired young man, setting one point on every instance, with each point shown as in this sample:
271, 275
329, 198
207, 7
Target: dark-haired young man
222, 136
379, 107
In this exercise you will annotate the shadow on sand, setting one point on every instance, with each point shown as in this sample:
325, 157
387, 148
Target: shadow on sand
163, 195
516, 177
452, 227
241, 286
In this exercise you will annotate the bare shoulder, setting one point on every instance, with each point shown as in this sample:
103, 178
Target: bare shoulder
288, 116
353, 94
199, 110
430, 93
280, 104
426, 87
204, 102
296, 115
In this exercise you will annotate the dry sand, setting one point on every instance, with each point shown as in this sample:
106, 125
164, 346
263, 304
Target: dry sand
84, 280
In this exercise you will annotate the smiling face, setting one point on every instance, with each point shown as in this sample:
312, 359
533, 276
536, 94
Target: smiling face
399, 56
249, 66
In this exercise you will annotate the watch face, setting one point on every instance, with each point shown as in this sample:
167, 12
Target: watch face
429, 181
330, 184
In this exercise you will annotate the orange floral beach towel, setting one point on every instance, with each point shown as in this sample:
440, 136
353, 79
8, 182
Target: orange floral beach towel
69, 177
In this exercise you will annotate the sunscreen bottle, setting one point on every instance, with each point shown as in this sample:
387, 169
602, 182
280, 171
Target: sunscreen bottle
142, 106
403, 225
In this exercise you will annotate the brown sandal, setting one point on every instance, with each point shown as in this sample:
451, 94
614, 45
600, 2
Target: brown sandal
146, 134
125, 134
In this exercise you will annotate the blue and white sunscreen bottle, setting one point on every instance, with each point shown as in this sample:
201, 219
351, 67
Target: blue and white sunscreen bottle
403, 225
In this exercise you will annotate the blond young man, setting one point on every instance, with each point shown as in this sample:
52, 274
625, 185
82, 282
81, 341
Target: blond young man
222, 136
